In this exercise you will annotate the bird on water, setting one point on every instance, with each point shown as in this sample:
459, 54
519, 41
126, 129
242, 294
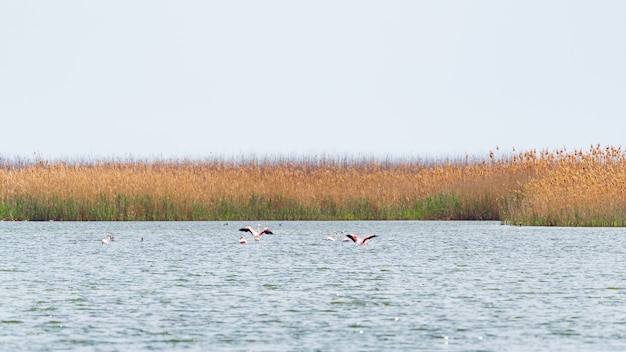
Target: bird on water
360, 241
256, 233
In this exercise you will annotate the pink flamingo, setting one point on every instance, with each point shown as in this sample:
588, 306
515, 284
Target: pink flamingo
257, 234
242, 240
108, 239
358, 240
333, 237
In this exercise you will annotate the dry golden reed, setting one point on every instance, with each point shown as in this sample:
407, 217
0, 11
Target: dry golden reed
545, 188
581, 188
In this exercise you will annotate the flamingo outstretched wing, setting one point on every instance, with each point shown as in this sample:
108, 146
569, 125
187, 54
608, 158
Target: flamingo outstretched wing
352, 237
367, 238
247, 229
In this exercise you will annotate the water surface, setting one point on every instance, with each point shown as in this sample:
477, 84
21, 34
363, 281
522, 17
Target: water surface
453, 286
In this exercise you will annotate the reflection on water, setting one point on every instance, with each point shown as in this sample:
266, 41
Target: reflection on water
417, 286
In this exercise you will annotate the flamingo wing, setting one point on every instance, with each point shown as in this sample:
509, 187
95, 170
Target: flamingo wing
267, 231
368, 237
246, 229
352, 237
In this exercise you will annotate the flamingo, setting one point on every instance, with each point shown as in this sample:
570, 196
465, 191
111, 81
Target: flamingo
333, 237
358, 240
108, 239
257, 234
242, 240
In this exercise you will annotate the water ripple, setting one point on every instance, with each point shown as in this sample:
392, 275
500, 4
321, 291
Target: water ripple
418, 286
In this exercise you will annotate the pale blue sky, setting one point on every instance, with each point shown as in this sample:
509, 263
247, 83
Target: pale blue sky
210, 78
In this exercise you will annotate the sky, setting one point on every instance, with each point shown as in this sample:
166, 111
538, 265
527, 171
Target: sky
203, 79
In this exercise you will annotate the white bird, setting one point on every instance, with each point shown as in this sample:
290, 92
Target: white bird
360, 241
256, 234
108, 239
242, 240
333, 237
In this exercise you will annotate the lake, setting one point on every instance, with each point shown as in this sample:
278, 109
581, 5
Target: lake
419, 285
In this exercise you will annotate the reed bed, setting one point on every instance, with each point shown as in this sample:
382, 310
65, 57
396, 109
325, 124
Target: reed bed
527, 188
581, 188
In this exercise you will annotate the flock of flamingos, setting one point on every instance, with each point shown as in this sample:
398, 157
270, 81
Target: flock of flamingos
256, 234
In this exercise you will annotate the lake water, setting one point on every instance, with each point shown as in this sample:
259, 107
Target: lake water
450, 286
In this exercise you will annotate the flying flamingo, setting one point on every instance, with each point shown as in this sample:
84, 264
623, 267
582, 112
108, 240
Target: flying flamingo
358, 240
242, 240
257, 234
108, 239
